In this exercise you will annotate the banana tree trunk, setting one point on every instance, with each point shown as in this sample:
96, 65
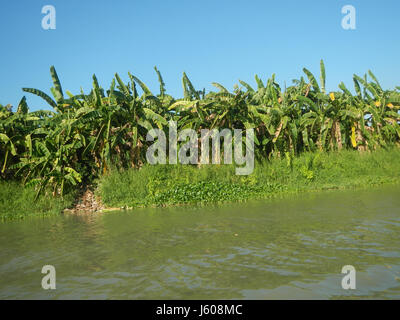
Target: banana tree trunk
338, 135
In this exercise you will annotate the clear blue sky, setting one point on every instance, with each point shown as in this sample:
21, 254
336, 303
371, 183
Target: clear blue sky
211, 40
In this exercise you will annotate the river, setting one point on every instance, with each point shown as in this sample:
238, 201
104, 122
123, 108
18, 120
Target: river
288, 248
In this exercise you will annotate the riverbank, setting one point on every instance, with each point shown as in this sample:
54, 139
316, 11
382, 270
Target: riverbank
18, 202
180, 184
166, 185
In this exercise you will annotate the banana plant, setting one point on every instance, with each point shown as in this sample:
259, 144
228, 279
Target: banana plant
88, 133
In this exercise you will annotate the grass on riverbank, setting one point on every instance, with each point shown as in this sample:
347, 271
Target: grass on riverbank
178, 184
17, 202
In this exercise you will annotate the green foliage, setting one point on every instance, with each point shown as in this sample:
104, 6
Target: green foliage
179, 184
18, 202
88, 133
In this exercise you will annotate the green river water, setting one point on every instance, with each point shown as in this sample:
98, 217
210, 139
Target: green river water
291, 248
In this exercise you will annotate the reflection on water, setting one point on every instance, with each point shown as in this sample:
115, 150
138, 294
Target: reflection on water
291, 248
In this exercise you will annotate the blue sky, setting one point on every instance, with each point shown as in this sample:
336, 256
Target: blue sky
216, 40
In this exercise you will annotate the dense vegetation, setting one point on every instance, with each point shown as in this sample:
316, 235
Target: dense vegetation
18, 202
87, 134
182, 184
311, 171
